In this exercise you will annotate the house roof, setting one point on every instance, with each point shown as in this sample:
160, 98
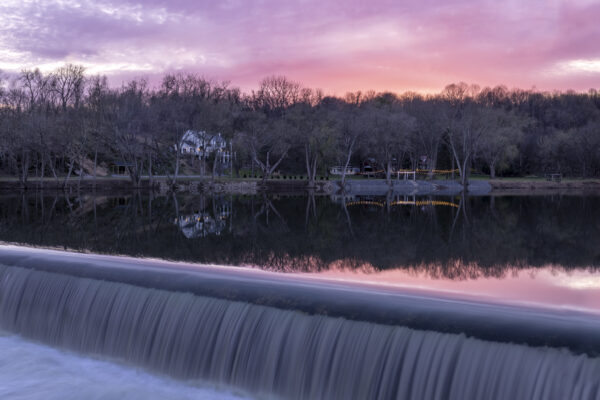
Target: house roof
194, 137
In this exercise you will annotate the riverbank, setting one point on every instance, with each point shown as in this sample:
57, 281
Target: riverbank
198, 184
538, 186
163, 184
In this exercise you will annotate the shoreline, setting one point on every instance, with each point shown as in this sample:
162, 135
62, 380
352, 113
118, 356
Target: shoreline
539, 187
194, 184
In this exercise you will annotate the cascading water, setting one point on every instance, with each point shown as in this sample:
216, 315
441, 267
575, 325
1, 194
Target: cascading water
275, 353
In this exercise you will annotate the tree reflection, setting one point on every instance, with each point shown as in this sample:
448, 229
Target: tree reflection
456, 237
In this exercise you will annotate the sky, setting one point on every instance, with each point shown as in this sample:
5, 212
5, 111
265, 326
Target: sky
334, 45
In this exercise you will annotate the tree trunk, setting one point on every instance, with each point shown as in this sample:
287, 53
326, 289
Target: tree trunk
464, 180
307, 159
492, 171
214, 168
265, 167
177, 160
71, 165
51, 164
139, 172
25, 169
43, 167
95, 165
433, 164
150, 170
462, 169
350, 150
348, 156
311, 167
80, 173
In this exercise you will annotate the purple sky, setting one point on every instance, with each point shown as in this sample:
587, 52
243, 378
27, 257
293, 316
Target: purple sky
336, 45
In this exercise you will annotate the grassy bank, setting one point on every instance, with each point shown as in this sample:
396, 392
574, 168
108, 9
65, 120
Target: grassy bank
510, 185
536, 185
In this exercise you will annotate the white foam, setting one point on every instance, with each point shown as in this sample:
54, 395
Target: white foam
30, 371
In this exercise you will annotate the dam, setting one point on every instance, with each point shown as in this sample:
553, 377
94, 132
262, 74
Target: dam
268, 336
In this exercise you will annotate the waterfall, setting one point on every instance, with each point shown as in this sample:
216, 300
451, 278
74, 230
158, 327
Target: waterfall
276, 353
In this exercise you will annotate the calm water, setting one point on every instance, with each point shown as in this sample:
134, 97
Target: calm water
449, 237
464, 298
527, 248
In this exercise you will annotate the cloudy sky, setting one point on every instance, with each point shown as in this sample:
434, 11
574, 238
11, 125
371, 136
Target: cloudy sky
336, 45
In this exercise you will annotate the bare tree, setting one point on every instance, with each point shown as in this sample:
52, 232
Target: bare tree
465, 125
68, 83
275, 94
586, 146
40, 114
429, 127
351, 129
267, 129
502, 134
314, 126
16, 143
268, 146
129, 127
97, 113
391, 131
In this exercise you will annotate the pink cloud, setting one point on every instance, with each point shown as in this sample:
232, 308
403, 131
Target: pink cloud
335, 45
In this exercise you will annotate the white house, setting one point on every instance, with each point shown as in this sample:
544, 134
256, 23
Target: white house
200, 143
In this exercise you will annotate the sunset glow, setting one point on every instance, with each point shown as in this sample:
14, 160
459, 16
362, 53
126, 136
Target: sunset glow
334, 45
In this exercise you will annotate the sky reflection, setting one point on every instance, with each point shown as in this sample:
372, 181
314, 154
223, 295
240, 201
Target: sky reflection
550, 286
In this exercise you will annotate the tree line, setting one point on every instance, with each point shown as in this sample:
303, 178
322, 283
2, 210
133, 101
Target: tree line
64, 124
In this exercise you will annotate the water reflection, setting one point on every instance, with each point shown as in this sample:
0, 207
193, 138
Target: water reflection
567, 289
451, 237
212, 218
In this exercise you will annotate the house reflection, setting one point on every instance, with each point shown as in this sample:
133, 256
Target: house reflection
210, 221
